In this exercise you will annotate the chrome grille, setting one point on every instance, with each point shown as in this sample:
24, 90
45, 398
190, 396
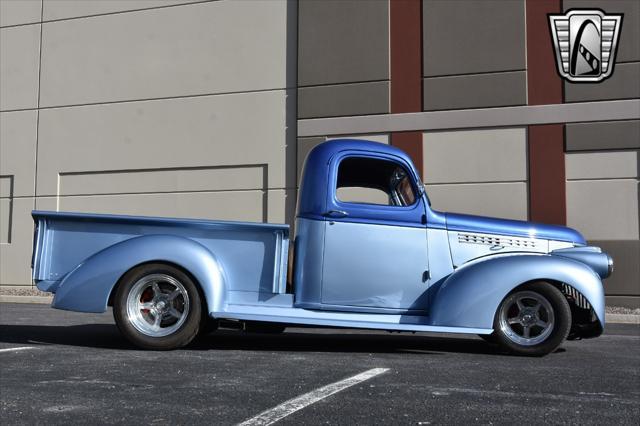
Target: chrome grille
580, 300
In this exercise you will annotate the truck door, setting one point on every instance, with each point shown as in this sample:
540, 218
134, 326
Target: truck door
375, 253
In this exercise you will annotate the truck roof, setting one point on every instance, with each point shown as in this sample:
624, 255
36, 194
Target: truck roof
314, 185
326, 150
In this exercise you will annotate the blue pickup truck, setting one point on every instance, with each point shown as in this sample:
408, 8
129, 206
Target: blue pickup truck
369, 252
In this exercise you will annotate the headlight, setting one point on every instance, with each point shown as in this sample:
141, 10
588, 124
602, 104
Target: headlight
610, 265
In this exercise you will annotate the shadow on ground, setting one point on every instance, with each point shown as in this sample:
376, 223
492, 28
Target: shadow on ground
107, 336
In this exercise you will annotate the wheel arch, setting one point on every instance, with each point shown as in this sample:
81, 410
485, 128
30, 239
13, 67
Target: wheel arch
471, 295
90, 286
185, 271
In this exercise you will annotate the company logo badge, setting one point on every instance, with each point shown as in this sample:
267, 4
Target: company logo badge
586, 43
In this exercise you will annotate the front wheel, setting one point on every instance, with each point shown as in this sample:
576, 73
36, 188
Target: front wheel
534, 320
157, 306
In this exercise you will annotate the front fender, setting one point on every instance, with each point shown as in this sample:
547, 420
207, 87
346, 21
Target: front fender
88, 286
471, 295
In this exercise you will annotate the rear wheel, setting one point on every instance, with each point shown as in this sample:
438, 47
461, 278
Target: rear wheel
532, 320
157, 306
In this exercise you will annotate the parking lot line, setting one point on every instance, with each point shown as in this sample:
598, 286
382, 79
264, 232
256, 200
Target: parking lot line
21, 348
281, 411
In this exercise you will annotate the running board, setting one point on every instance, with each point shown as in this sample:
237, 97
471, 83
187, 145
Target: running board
340, 319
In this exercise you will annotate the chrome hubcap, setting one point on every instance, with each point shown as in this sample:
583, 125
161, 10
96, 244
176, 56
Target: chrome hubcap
526, 318
157, 305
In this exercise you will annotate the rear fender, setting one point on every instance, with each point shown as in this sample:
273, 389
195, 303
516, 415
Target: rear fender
88, 286
471, 295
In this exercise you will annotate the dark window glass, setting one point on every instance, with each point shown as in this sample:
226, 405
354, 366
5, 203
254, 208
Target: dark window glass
373, 181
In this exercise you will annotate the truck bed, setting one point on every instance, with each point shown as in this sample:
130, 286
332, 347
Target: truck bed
253, 255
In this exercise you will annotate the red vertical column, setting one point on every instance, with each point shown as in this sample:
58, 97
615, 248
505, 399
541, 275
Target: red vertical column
405, 42
547, 184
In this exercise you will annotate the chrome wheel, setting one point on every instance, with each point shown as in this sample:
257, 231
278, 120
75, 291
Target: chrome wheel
526, 318
157, 305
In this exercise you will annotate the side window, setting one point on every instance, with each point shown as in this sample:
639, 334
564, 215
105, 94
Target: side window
373, 181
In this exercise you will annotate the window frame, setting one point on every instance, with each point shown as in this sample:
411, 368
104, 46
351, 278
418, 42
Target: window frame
361, 209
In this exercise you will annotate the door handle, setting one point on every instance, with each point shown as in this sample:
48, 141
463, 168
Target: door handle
336, 213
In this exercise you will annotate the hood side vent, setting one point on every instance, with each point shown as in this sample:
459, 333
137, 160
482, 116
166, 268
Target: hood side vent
493, 240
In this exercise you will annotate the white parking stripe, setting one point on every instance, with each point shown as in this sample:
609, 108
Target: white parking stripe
22, 348
281, 411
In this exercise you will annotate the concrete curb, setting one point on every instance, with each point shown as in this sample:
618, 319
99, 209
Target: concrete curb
25, 299
622, 319
610, 318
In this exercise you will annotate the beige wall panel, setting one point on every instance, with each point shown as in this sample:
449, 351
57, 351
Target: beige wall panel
19, 56
231, 205
604, 210
625, 279
475, 156
304, 146
18, 132
5, 220
380, 138
213, 131
251, 206
6, 186
163, 180
216, 47
602, 165
63, 9
281, 206
506, 200
362, 195
15, 258
17, 12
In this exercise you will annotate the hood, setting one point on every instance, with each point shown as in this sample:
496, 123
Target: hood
519, 228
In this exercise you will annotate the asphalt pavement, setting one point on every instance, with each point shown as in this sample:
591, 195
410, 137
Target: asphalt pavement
61, 367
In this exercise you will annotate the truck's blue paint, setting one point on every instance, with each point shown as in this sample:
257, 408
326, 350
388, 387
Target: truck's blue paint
105, 268
462, 299
317, 188
591, 256
369, 266
307, 267
489, 225
81, 257
380, 272
343, 319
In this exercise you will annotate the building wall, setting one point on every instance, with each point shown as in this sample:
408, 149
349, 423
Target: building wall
602, 161
343, 58
484, 70
145, 107
208, 109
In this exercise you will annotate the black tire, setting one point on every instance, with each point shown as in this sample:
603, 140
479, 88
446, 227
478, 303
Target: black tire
131, 316
552, 310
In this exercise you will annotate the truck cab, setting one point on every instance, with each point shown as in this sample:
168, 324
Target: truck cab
365, 199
